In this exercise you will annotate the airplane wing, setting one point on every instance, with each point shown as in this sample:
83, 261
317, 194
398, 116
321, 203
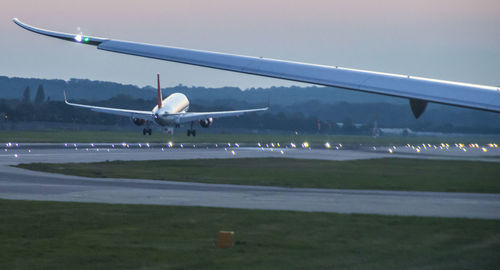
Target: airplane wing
418, 90
195, 116
146, 115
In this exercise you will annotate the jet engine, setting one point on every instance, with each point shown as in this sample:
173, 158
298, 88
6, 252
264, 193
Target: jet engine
138, 121
205, 123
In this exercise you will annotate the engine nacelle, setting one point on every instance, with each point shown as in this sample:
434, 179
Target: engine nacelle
138, 121
205, 123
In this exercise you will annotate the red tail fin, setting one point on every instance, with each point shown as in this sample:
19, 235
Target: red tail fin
159, 91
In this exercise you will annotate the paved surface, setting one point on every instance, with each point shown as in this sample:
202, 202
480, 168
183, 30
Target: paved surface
28, 185
14, 156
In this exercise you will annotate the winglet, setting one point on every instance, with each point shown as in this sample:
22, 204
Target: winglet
159, 91
65, 99
79, 38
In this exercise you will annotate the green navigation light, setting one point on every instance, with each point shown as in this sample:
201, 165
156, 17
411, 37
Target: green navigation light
86, 39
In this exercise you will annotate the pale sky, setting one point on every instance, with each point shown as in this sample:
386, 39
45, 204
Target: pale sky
455, 40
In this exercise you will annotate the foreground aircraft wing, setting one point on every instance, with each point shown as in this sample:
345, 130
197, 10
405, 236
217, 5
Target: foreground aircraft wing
146, 115
418, 90
195, 116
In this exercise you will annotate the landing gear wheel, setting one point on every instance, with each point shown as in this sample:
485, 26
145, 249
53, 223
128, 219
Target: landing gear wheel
191, 131
150, 131
144, 131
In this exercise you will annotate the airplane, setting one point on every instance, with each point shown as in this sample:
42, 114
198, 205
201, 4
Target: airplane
419, 91
170, 112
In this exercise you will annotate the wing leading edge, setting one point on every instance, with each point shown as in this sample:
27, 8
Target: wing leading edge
122, 112
414, 88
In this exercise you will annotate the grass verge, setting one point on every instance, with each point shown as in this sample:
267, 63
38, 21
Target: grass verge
384, 174
51, 235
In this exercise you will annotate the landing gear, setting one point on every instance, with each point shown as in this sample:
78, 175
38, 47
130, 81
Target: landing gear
191, 131
147, 131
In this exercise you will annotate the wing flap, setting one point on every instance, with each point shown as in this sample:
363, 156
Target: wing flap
446, 92
195, 116
115, 111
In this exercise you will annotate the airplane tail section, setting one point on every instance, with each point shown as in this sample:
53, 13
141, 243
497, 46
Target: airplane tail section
159, 91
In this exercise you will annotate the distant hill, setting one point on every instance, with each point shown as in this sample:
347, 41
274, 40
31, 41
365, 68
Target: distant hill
291, 107
13, 88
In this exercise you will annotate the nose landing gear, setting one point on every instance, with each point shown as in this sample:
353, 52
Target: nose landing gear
147, 131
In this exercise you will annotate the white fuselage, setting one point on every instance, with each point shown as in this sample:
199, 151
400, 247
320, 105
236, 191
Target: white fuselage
171, 107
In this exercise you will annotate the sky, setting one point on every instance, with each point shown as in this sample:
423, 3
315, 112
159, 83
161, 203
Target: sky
456, 40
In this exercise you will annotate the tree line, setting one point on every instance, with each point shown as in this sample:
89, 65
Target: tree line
304, 115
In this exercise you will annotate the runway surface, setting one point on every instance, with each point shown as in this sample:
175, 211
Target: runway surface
29, 185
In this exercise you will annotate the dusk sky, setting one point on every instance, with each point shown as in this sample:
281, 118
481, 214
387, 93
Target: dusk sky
452, 40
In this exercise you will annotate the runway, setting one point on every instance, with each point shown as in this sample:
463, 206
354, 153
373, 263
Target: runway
14, 153
29, 185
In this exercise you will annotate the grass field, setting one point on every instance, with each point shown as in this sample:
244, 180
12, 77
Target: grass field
51, 235
105, 136
385, 174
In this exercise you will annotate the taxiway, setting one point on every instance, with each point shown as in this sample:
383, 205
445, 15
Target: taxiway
22, 184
